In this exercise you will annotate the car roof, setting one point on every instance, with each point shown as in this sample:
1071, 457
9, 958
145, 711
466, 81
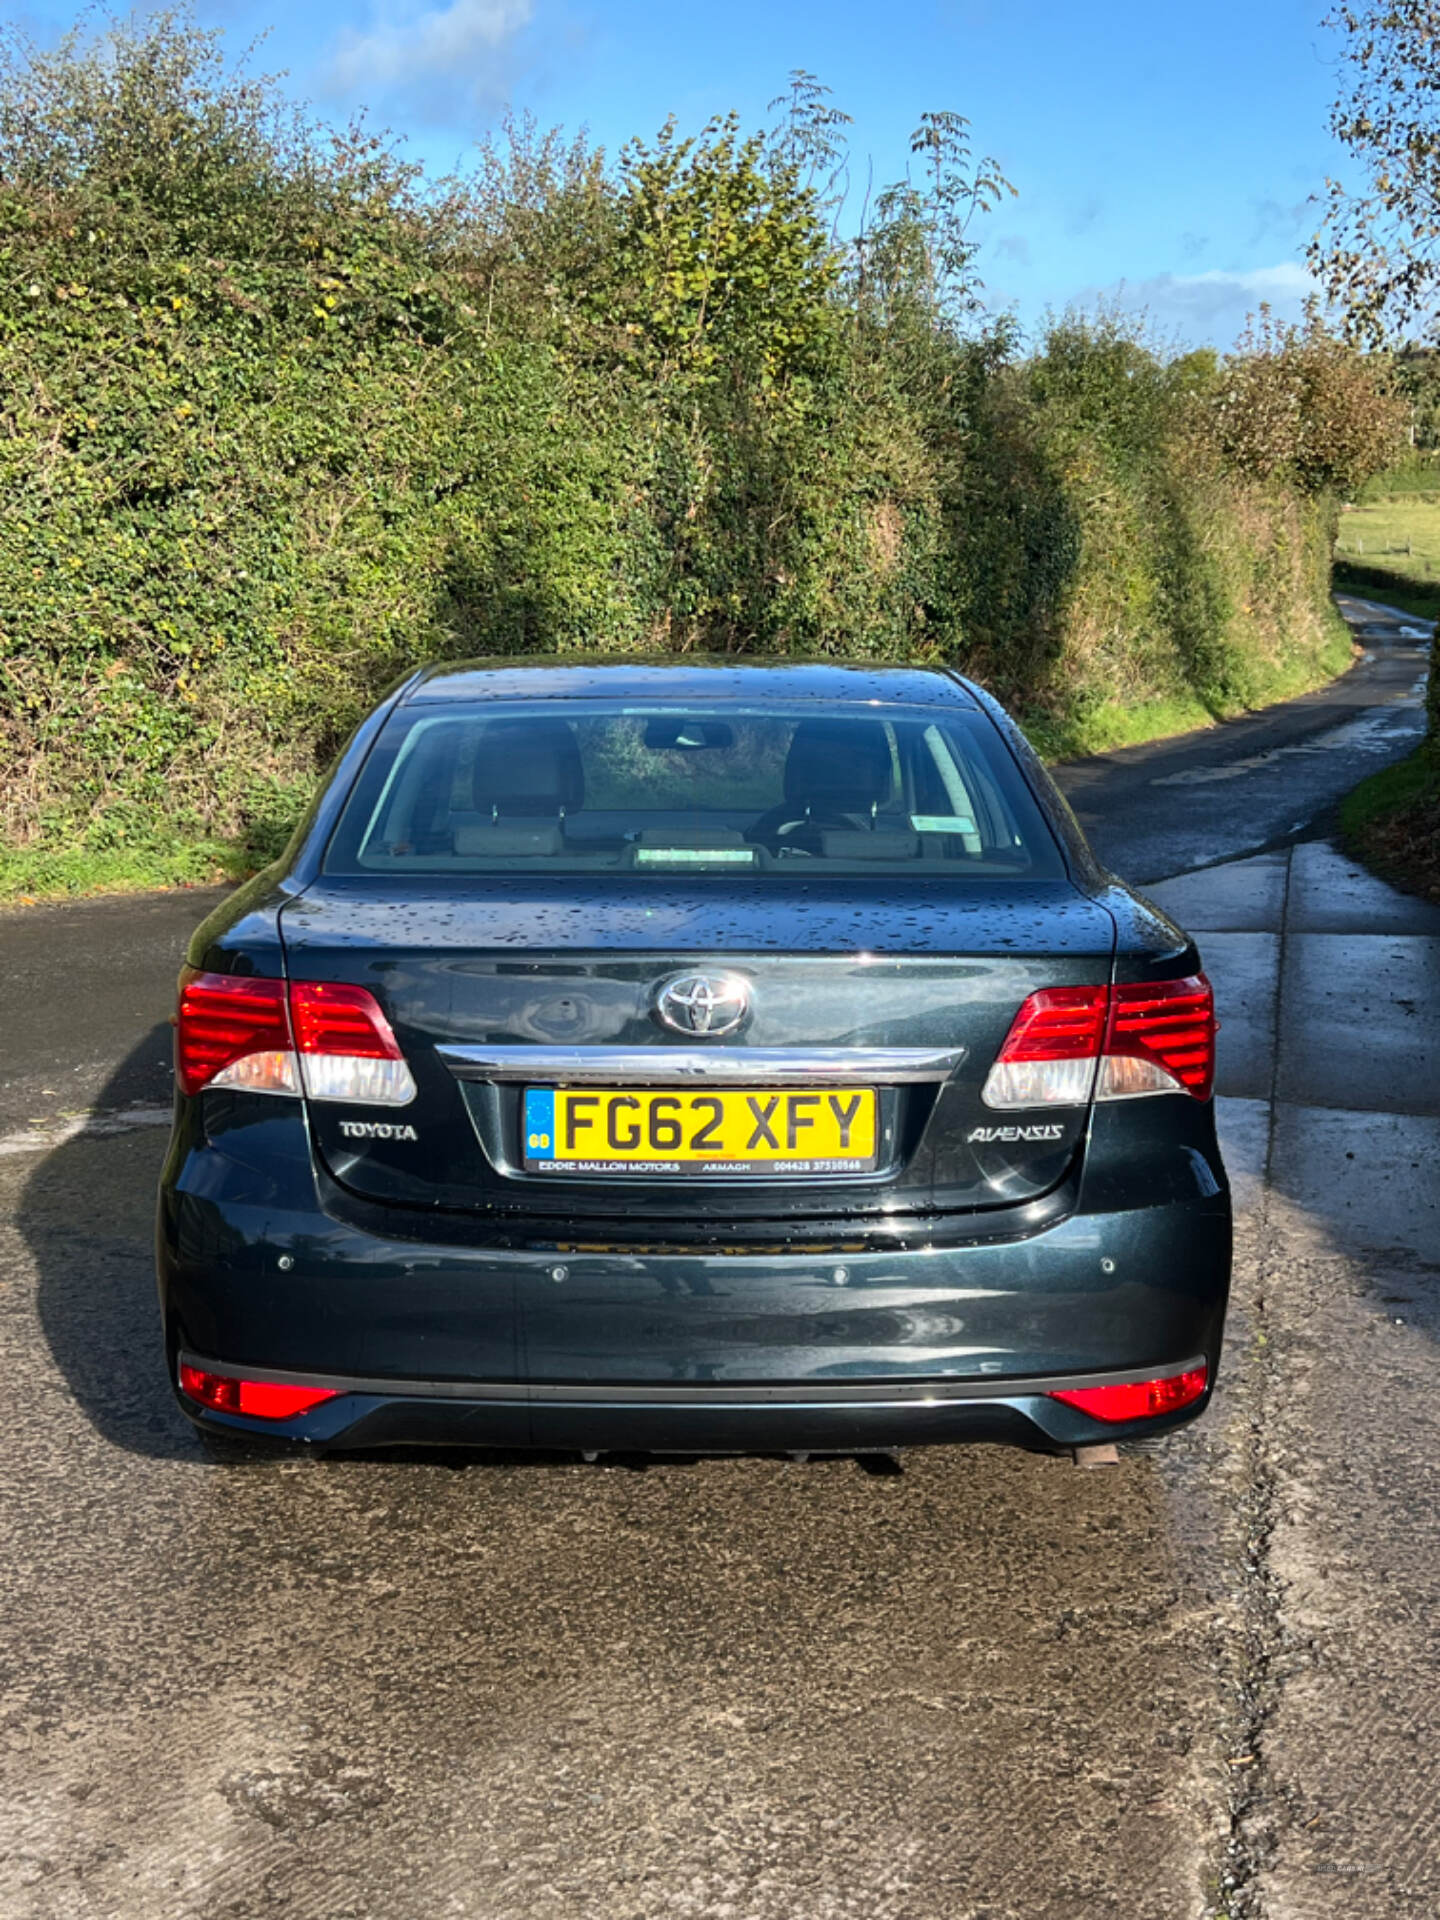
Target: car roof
583, 677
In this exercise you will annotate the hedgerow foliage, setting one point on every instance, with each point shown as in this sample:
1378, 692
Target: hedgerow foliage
281, 418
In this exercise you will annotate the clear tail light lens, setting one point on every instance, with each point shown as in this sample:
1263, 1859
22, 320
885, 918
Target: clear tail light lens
1123, 1042
1138, 1399
329, 1040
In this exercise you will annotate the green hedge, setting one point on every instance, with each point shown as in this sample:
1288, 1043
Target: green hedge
282, 419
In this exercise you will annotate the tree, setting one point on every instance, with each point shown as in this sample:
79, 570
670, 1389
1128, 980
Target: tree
917, 253
1378, 249
722, 260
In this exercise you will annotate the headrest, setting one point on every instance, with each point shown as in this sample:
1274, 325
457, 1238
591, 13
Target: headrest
839, 763
528, 767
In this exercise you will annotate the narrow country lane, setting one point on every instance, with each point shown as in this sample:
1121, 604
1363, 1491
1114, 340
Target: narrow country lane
988, 1687
1266, 780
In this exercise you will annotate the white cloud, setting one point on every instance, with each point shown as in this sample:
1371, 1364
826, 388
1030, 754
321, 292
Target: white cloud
1211, 307
452, 48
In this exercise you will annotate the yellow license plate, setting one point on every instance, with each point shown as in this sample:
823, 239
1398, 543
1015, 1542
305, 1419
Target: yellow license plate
731, 1131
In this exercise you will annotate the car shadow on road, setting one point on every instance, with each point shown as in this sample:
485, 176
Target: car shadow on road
86, 1212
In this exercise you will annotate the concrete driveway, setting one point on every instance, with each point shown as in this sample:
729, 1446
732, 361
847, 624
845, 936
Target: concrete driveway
988, 1687
1330, 1072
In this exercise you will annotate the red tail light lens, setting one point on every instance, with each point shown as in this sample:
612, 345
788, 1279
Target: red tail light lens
336, 1019
1060, 1023
260, 1399
1138, 1399
1170, 1024
220, 1018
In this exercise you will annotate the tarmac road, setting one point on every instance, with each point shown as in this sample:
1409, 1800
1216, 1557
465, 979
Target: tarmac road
988, 1687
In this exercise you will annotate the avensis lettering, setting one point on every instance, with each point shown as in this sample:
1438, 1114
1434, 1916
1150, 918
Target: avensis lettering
376, 1130
986, 1134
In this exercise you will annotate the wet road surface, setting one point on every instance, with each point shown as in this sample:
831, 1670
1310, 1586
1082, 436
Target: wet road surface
989, 1687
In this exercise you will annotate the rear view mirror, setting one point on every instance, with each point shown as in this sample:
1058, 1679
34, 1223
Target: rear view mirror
687, 736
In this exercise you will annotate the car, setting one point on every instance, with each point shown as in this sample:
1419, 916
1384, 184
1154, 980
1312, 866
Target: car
691, 1056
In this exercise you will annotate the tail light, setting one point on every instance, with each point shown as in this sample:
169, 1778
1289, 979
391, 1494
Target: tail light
233, 1032
261, 1399
1138, 1399
329, 1041
346, 1048
1122, 1042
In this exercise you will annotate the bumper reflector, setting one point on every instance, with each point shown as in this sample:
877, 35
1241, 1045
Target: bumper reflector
1137, 1399
260, 1399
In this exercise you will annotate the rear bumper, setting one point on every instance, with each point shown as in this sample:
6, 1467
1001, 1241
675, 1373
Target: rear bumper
434, 1341
836, 1418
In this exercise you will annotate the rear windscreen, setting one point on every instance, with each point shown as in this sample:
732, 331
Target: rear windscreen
580, 787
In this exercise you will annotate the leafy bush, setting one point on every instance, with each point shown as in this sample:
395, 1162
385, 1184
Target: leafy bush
1296, 403
282, 418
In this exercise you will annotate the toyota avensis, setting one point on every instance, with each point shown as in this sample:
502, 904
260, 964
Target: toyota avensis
692, 1057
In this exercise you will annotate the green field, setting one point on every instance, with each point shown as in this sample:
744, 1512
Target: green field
1392, 546
1421, 480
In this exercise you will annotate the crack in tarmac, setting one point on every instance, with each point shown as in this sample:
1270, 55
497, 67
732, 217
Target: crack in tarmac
1248, 1662
1255, 1674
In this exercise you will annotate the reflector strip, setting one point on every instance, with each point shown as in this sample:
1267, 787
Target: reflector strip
1137, 1399
260, 1399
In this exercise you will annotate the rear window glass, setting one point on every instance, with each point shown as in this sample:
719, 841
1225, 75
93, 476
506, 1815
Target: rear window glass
584, 787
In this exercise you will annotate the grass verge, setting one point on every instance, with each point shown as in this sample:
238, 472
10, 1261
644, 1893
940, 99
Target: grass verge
1115, 725
29, 875
1389, 550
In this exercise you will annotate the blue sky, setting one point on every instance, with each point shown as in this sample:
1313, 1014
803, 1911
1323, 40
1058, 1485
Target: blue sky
1164, 153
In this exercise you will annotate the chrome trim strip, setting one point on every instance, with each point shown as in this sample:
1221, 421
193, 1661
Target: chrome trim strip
670, 1066
695, 1398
